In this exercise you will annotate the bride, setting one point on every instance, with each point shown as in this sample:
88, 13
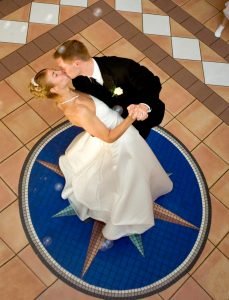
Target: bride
111, 173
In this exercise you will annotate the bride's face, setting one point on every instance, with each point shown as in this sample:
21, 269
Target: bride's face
57, 78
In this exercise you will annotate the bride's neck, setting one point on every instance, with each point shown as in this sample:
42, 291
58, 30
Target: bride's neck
66, 95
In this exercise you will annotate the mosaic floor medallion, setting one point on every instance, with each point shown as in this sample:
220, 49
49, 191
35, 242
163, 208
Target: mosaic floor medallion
132, 267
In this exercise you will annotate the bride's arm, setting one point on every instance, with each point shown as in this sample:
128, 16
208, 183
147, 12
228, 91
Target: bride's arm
88, 120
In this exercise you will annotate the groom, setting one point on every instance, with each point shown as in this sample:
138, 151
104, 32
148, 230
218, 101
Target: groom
116, 81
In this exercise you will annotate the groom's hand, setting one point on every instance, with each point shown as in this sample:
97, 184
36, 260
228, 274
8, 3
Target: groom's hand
138, 112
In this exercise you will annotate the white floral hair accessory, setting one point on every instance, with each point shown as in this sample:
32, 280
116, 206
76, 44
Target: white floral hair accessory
117, 91
34, 82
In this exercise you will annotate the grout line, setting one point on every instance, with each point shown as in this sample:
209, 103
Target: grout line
202, 288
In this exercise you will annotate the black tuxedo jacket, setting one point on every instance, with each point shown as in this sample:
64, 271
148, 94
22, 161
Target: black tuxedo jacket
138, 85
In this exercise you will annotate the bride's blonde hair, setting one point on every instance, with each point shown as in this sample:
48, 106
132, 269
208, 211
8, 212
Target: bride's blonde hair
40, 87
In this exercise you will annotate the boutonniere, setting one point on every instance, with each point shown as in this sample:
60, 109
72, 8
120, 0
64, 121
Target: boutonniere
117, 91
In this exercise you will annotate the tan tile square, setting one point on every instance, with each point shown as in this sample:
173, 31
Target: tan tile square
180, 2
219, 4
67, 12
208, 54
19, 81
191, 290
212, 166
183, 134
21, 14
208, 248
178, 30
154, 69
219, 223
18, 282
62, 120
7, 48
218, 141
167, 118
149, 8
176, 98
224, 245
10, 169
213, 275
214, 22
195, 67
9, 142
9, 99
11, 229
5, 253
34, 263
166, 294
35, 30
106, 37
221, 189
92, 50
198, 119
124, 49
37, 138
25, 123
59, 291
200, 9
164, 42
134, 18
222, 91
44, 61
154, 297
6, 195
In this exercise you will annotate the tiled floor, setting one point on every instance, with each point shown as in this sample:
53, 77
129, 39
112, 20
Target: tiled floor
175, 40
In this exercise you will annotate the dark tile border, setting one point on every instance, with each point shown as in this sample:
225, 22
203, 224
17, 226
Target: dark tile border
9, 6
31, 51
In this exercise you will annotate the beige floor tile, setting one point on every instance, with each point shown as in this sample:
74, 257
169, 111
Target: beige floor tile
18, 282
195, 67
92, 50
191, 290
35, 30
212, 165
59, 291
223, 91
180, 2
213, 275
33, 142
154, 69
200, 9
67, 12
164, 42
124, 49
208, 248
59, 122
134, 18
9, 99
19, 81
224, 245
107, 35
6, 195
218, 141
47, 109
10, 169
208, 54
167, 118
7, 48
166, 294
219, 4
11, 229
175, 97
110, 2
198, 119
49, 1
34, 263
44, 61
149, 8
183, 134
5, 253
214, 22
25, 123
221, 189
219, 223
9, 142
21, 14
178, 30
153, 297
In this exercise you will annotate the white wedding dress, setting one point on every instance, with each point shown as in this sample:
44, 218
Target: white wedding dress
115, 183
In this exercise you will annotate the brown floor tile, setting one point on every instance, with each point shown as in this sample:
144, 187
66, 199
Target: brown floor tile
212, 166
21, 14
155, 53
192, 25
109, 2
195, 67
45, 61
34, 263
67, 12
170, 65
149, 8
14, 62
59, 291
222, 91
45, 42
6, 195
114, 19
191, 290
218, 141
198, 119
208, 248
221, 47
35, 30
107, 35
7, 8
167, 118
49, 1
5, 253
75, 24
9, 100
3, 72
11, 230
30, 52
9, 142
165, 5
19, 81
25, 123
219, 225
213, 275
154, 297
125, 49
219, 4
127, 30
18, 282
166, 294
178, 30
200, 90
140, 41
164, 42
221, 189
175, 97
154, 69
225, 116
215, 103
7, 48
224, 246
200, 9
37, 138
185, 78
61, 33
178, 14
214, 22
183, 134
180, 2
208, 54
134, 18
11, 177
47, 109
206, 36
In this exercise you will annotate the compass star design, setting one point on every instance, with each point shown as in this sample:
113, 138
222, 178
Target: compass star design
97, 239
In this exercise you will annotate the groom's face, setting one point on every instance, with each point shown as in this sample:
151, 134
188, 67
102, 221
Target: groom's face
71, 68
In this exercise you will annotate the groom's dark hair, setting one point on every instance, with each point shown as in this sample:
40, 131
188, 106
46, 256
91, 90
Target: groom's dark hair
71, 50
